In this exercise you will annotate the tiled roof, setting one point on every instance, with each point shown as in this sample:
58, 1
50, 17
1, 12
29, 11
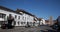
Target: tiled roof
20, 10
7, 9
39, 19
17, 11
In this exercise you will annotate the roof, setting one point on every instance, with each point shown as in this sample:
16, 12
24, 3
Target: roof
47, 20
17, 11
7, 9
20, 10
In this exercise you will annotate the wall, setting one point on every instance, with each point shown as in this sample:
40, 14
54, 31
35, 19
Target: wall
23, 18
13, 14
28, 18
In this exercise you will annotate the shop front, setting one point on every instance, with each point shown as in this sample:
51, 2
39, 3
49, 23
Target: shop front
2, 19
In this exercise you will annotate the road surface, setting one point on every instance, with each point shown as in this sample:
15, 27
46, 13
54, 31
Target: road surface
23, 29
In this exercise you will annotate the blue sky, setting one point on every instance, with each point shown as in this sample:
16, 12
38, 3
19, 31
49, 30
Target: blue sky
40, 8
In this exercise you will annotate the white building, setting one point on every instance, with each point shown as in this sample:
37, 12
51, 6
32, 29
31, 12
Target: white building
42, 22
26, 17
21, 18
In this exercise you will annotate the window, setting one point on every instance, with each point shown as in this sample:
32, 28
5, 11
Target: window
2, 15
15, 16
35, 19
14, 22
23, 22
18, 23
23, 18
30, 22
19, 17
21, 13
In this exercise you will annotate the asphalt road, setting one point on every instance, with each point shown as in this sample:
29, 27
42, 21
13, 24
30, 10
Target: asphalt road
23, 29
20, 29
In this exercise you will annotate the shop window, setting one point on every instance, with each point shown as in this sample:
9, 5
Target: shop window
2, 15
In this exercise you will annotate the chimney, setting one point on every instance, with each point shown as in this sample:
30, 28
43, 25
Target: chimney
17, 10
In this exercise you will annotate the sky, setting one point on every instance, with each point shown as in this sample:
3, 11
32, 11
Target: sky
39, 8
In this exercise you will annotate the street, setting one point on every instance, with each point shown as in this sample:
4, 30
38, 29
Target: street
23, 29
19, 29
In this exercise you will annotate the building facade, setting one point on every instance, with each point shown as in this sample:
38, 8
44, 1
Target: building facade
21, 18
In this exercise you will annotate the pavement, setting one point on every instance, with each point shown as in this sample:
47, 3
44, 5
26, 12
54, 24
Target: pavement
23, 29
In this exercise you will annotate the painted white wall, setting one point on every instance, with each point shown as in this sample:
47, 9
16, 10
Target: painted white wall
13, 14
23, 18
28, 18
42, 22
37, 23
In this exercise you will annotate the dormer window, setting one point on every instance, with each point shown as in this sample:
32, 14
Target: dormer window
21, 12
35, 19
